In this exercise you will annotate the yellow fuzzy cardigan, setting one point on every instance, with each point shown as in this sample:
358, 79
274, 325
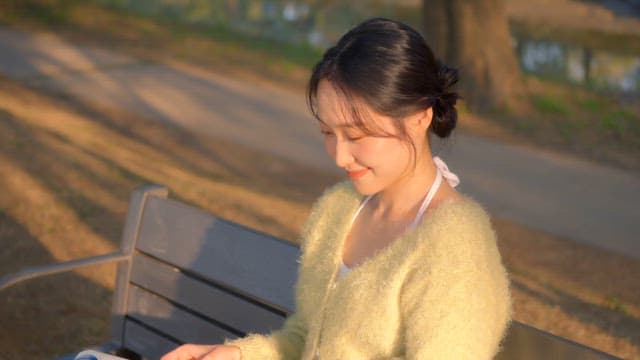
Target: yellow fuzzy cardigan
440, 291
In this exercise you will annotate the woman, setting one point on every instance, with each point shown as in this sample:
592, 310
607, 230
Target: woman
395, 263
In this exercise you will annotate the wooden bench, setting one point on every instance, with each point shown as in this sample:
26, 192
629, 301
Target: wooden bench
186, 276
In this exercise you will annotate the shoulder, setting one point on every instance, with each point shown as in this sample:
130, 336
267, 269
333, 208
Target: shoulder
462, 212
457, 243
457, 229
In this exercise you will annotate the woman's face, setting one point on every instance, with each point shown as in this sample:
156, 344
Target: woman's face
373, 163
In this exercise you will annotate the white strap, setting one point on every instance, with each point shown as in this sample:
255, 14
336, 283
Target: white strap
451, 178
442, 171
362, 204
427, 199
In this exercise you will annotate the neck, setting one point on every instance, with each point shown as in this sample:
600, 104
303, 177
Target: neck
401, 200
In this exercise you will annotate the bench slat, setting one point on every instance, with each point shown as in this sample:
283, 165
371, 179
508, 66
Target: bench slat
159, 314
144, 342
202, 297
258, 266
524, 342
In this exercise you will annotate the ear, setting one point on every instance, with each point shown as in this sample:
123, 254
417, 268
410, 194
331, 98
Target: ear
421, 120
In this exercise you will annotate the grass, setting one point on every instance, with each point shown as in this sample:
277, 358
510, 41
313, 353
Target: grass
549, 105
614, 303
593, 105
574, 120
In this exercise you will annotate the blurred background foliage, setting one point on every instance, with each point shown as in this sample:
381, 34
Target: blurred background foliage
604, 58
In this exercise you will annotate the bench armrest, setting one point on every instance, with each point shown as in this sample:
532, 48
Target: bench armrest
109, 348
38, 271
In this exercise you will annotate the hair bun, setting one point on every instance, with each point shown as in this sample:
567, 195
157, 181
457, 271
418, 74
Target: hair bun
445, 115
448, 76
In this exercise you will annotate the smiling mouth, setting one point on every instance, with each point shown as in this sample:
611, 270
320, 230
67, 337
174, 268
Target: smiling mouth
357, 174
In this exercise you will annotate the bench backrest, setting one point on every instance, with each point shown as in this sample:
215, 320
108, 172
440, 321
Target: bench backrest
196, 278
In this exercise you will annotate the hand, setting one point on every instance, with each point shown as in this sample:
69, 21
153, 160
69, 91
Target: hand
204, 352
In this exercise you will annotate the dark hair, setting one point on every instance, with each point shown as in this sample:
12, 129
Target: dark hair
389, 66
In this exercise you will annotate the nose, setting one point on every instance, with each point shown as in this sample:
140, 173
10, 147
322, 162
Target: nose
342, 154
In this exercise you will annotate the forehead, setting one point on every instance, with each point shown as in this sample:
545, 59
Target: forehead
336, 108
332, 105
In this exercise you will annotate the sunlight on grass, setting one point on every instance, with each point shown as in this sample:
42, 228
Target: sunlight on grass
88, 142
24, 193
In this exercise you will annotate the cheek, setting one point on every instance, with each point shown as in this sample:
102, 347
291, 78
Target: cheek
330, 145
382, 153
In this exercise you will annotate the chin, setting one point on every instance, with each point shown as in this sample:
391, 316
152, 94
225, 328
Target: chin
363, 188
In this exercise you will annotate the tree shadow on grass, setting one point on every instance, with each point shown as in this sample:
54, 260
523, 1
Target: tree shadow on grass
179, 150
50, 213
65, 177
135, 85
214, 158
49, 316
612, 322
237, 110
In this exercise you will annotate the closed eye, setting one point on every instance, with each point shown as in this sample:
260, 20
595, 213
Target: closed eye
354, 135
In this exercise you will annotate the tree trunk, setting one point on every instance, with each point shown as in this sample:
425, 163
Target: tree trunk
473, 35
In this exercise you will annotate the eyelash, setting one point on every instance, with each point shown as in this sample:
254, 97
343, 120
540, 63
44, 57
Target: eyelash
350, 138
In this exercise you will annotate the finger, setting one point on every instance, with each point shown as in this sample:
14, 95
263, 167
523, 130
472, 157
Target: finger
223, 352
208, 355
188, 352
178, 353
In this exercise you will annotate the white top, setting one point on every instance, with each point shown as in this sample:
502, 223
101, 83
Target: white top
441, 171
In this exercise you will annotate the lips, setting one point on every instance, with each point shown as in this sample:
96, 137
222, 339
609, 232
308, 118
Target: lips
357, 174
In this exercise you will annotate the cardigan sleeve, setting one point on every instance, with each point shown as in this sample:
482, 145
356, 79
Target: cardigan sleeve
455, 302
286, 343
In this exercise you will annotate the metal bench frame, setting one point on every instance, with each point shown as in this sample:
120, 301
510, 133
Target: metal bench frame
186, 276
